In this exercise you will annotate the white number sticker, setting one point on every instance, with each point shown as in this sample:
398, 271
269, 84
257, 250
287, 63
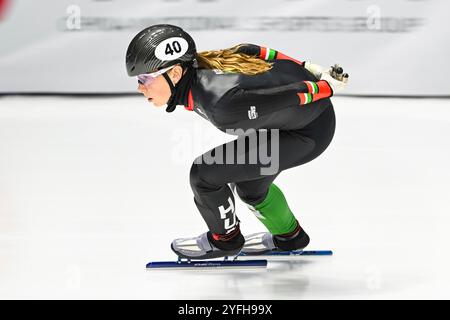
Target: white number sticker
171, 49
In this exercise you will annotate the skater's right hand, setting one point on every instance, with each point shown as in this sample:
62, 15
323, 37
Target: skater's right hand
332, 77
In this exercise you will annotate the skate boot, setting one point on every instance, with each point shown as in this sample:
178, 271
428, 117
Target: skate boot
209, 246
264, 242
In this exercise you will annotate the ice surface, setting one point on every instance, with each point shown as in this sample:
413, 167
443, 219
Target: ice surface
91, 189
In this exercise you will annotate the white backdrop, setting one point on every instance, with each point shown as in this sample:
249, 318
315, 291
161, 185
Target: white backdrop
388, 47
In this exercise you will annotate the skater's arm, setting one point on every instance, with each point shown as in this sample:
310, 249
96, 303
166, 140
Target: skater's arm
273, 99
305, 91
265, 53
294, 94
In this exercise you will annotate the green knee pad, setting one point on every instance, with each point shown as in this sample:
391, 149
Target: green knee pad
274, 212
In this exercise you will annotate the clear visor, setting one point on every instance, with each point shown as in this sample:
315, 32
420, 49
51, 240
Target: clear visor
148, 78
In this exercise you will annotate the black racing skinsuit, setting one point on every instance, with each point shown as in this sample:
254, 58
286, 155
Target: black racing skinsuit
274, 99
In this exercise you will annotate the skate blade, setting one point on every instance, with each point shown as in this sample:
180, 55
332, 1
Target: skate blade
289, 253
207, 264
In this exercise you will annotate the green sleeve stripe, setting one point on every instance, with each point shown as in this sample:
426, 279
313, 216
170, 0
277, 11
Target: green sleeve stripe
271, 54
316, 88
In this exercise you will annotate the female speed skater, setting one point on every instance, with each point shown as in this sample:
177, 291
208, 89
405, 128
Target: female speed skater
251, 88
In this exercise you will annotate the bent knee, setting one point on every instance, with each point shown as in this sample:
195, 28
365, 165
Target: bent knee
201, 176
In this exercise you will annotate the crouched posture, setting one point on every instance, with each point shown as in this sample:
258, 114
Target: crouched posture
278, 107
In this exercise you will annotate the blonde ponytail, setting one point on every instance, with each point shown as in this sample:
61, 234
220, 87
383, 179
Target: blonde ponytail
228, 60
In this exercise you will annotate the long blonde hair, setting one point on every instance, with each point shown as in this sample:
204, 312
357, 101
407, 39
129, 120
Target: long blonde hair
228, 60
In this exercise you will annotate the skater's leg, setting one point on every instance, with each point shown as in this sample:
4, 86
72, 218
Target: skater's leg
215, 201
253, 191
209, 181
266, 199
263, 196
270, 207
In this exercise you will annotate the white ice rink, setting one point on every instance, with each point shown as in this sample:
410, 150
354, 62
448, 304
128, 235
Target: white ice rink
91, 189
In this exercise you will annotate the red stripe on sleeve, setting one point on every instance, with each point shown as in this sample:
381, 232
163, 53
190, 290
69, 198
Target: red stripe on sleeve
262, 52
301, 96
281, 56
324, 90
308, 84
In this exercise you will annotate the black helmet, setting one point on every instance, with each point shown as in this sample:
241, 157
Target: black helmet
159, 46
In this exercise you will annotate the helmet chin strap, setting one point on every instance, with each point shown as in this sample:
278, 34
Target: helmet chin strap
169, 81
180, 90
170, 102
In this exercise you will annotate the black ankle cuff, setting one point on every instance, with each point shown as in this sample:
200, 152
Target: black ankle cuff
235, 243
298, 242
